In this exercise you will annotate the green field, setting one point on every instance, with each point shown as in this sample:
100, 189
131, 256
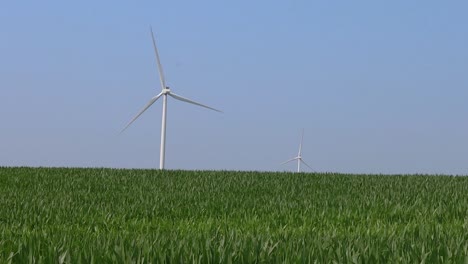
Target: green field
149, 216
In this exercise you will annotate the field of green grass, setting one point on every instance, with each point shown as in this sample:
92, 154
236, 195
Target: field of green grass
53, 215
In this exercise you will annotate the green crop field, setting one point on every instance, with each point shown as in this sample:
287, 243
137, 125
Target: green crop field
150, 216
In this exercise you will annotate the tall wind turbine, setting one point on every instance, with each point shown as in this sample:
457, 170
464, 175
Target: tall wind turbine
166, 91
299, 156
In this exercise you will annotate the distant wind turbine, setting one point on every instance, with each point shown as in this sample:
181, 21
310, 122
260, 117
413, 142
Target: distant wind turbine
164, 93
299, 156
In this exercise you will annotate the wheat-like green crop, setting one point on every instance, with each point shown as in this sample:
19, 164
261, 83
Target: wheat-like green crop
152, 216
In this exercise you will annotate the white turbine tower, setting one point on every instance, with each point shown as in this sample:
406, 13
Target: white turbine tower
166, 91
299, 156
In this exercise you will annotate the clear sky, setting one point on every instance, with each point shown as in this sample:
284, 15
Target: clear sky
378, 86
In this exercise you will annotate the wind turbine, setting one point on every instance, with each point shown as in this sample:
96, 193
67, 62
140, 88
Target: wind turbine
166, 91
299, 156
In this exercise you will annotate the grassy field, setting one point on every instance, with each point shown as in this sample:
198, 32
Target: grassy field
149, 216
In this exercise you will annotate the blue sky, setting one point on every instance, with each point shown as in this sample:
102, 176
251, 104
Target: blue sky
379, 87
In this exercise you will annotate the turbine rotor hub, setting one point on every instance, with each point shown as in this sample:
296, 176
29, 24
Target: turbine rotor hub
166, 90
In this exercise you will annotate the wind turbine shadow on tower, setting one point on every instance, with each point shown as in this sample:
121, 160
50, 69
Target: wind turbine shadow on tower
166, 91
299, 156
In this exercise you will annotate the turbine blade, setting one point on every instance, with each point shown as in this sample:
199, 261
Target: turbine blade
158, 61
178, 97
300, 145
307, 165
154, 99
289, 160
